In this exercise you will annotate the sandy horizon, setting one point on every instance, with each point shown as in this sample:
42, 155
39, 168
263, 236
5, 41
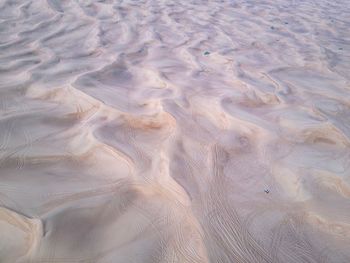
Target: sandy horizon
174, 131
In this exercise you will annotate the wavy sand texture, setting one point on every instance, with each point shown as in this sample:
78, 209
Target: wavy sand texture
174, 131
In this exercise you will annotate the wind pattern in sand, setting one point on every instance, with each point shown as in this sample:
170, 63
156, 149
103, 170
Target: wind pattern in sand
174, 131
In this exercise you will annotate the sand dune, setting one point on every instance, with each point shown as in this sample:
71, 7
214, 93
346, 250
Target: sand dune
174, 131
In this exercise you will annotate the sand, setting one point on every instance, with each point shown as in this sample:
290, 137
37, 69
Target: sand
174, 131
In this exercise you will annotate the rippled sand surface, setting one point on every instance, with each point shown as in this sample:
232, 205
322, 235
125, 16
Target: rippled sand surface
174, 131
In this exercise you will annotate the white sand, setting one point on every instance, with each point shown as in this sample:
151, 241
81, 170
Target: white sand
123, 141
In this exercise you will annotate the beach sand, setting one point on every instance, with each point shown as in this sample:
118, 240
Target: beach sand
174, 131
